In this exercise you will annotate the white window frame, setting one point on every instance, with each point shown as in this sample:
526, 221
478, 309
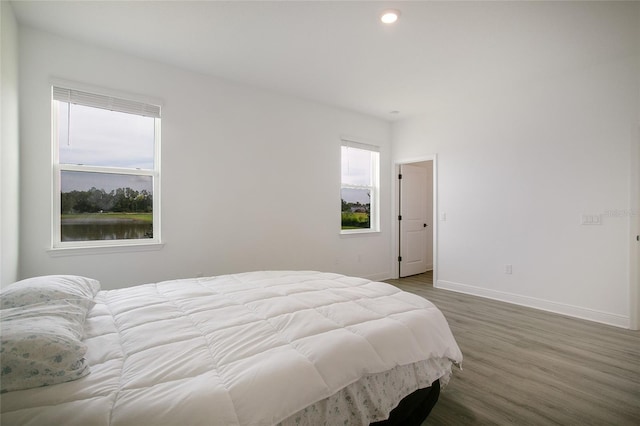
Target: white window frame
123, 103
374, 208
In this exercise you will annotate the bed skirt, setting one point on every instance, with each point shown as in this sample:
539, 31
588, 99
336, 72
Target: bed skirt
398, 397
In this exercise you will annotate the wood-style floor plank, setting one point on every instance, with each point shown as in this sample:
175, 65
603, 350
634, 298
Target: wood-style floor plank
524, 366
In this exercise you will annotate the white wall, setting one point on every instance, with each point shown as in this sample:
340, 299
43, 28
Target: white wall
518, 164
9, 146
250, 179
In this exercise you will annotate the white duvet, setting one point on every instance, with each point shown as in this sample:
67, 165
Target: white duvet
243, 349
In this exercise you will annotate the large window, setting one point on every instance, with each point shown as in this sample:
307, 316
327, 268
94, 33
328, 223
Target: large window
106, 170
359, 190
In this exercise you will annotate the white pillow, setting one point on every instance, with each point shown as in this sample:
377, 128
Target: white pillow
50, 287
41, 345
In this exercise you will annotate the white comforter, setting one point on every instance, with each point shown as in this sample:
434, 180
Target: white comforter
244, 349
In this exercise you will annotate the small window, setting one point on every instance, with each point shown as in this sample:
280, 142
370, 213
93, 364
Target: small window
359, 190
106, 171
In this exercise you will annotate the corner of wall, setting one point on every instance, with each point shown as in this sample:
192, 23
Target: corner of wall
9, 146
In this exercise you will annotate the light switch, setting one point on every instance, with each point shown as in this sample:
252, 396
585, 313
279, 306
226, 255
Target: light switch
590, 219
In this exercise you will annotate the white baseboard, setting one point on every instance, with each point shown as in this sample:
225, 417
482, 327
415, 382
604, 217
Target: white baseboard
532, 302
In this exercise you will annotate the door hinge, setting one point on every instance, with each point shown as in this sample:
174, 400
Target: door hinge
400, 217
399, 258
400, 176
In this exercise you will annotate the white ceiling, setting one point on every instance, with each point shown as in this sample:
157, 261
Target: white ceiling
337, 52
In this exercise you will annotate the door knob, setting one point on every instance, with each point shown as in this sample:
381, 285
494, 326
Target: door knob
424, 225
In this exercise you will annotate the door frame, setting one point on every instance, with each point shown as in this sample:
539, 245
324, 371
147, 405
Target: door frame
634, 232
396, 211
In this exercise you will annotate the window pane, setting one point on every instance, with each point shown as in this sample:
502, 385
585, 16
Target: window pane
356, 166
103, 206
98, 137
356, 208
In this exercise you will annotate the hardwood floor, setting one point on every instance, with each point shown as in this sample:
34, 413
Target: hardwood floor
528, 367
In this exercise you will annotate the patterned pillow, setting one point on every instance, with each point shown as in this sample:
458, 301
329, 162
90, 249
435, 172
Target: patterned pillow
50, 287
41, 345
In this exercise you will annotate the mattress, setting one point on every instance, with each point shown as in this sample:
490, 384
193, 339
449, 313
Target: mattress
256, 348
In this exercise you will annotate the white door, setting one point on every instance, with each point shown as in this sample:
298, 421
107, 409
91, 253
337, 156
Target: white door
416, 232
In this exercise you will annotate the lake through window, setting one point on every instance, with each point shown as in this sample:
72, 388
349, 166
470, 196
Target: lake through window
359, 188
106, 169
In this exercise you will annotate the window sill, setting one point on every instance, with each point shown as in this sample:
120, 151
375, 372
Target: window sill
106, 249
355, 233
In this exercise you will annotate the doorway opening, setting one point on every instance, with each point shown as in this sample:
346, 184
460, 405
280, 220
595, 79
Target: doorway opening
416, 227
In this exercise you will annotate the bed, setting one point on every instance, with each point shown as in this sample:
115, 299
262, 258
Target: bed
258, 348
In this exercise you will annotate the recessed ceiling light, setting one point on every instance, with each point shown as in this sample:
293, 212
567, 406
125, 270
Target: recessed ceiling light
390, 16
